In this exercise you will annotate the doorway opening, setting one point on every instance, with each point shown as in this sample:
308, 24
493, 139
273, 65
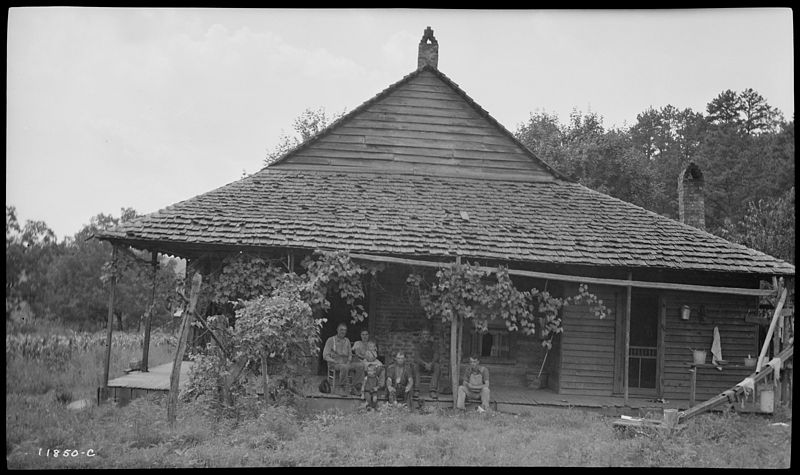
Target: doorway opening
338, 313
643, 350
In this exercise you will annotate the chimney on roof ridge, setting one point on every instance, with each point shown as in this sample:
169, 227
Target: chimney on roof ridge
428, 50
691, 203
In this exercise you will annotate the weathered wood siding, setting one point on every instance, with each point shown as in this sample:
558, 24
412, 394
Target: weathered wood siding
738, 339
587, 345
423, 127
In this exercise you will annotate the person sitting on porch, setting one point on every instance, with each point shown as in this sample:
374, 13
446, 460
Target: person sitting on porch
337, 353
371, 358
475, 385
426, 360
371, 385
360, 351
399, 375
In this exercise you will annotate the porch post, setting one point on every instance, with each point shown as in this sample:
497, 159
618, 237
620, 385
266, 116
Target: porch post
454, 322
627, 335
186, 321
149, 317
110, 313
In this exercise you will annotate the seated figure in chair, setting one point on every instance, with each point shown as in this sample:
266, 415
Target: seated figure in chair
426, 361
400, 380
361, 351
337, 354
475, 385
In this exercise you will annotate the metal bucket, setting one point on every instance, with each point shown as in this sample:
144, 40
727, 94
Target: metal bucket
670, 417
766, 399
699, 356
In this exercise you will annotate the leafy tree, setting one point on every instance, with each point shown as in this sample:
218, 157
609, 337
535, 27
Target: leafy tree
768, 226
30, 250
669, 138
606, 161
63, 280
308, 124
747, 113
278, 328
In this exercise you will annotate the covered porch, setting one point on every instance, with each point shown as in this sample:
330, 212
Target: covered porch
516, 400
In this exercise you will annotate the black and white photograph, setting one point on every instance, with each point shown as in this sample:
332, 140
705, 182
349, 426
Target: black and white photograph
371, 237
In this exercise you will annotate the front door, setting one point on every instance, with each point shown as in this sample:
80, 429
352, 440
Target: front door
643, 350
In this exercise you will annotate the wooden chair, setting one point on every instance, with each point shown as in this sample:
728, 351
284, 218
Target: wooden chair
333, 378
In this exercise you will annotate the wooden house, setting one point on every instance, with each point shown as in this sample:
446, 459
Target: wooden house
421, 175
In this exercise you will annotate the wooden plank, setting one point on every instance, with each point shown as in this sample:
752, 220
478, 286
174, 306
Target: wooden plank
582, 279
350, 148
421, 111
736, 391
768, 338
619, 345
426, 103
660, 345
427, 92
172, 402
409, 117
366, 158
149, 315
111, 297
454, 352
627, 314
469, 129
431, 170
434, 144
459, 134
576, 342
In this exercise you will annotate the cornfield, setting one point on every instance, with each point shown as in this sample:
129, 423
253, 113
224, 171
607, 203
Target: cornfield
61, 347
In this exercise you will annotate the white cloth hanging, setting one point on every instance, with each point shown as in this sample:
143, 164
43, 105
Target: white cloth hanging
749, 386
716, 348
776, 367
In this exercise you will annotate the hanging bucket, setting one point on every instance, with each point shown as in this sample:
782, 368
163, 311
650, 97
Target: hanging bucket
670, 417
766, 400
699, 356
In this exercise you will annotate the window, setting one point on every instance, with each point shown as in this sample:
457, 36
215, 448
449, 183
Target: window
494, 344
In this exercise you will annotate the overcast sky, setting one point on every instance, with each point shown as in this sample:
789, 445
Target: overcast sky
115, 107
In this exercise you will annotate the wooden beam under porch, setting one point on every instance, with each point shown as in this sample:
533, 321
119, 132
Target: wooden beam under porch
515, 400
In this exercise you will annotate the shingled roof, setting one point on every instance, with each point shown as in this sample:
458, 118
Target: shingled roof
421, 170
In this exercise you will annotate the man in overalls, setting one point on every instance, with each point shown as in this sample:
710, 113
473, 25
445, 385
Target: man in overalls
475, 385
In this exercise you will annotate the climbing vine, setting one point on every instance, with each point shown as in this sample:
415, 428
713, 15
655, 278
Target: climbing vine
480, 295
278, 317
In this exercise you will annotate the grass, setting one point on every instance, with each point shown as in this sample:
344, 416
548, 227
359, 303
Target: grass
137, 436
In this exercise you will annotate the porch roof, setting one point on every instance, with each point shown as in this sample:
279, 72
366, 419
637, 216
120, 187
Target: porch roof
552, 222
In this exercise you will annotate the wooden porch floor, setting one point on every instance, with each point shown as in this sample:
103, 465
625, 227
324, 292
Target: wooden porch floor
517, 399
156, 379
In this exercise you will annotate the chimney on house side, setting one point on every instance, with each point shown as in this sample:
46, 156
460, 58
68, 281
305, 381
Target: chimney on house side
428, 50
691, 204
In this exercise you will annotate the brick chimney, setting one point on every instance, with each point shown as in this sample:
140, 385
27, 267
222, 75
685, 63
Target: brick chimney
691, 204
428, 50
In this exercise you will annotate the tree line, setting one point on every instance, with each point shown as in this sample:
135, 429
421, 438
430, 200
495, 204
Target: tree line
67, 281
744, 146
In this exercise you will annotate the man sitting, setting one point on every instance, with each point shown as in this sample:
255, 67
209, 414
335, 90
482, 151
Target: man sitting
475, 385
337, 353
426, 360
399, 376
